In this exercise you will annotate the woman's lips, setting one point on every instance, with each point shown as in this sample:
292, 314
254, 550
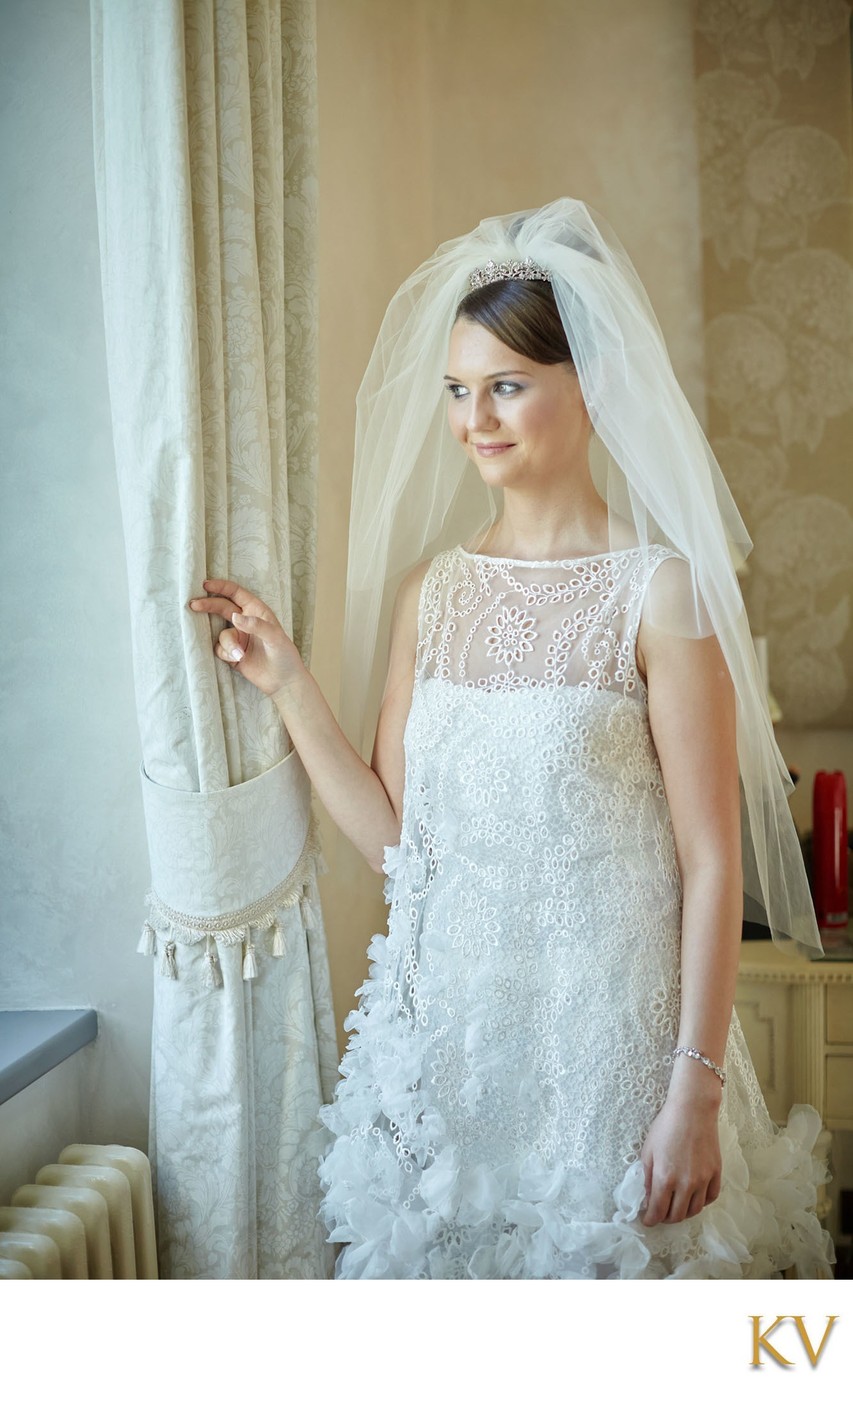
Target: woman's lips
489, 449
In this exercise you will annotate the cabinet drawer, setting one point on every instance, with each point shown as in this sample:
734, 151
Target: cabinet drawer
839, 1014
839, 1088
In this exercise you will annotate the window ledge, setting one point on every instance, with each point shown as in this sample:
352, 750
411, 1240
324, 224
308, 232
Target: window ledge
32, 1042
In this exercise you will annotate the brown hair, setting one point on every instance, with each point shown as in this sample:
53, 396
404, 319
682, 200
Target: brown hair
521, 314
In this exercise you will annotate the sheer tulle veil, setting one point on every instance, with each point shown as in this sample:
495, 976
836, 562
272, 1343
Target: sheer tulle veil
416, 493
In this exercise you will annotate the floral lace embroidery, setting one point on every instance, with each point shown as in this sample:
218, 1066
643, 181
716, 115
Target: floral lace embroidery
511, 636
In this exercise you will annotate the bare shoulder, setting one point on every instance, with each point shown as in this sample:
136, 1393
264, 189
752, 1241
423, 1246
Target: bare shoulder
408, 596
404, 622
410, 586
388, 761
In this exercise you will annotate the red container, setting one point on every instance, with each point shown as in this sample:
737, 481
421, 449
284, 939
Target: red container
829, 812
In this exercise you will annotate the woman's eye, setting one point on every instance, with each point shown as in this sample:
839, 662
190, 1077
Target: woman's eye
502, 388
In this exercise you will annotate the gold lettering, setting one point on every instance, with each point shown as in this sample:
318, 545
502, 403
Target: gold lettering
814, 1356
759, 1340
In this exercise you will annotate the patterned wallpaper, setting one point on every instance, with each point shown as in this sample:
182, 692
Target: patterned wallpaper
774, 129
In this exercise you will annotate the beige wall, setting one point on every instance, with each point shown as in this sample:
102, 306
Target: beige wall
774, 107
434, 114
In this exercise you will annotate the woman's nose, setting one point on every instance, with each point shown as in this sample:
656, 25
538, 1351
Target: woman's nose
481, 413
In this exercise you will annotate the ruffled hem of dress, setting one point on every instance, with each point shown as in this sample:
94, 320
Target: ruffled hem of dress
398, 1197
508, 1222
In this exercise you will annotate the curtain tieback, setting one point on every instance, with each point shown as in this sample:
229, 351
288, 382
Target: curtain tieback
213, 858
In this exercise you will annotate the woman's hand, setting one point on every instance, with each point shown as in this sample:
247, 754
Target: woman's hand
256, 645
681, 1158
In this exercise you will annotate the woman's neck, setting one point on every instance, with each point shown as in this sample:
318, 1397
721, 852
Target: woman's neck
548, 527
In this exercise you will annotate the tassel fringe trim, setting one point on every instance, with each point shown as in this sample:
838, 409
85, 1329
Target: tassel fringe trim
148, 941
212, 977
235, 929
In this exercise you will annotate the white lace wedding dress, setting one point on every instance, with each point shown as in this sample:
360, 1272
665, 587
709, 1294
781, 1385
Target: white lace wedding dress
513, 1042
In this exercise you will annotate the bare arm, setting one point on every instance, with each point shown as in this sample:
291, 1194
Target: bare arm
364, 801
692, 718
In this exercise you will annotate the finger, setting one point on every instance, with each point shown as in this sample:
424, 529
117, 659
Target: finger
230, 646
659, 1203
233, 657
215, 605
714, 1186
251, 625
679, 1206
224, 610
242, 598
697, 1203
647, 1176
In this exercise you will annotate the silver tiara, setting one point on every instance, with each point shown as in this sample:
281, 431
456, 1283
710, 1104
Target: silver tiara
491, 272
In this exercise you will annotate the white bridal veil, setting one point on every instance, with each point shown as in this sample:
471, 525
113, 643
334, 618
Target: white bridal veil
415, 492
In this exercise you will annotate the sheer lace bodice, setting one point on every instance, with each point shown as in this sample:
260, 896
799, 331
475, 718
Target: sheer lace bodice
501, 625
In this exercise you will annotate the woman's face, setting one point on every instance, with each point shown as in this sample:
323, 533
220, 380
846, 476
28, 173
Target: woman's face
519, 421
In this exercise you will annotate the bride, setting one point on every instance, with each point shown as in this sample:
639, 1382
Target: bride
573, 782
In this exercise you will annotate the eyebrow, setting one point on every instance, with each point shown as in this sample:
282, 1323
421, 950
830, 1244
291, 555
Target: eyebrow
494, 375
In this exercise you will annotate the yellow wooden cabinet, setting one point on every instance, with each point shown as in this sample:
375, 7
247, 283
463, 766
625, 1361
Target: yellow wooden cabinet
797, 1017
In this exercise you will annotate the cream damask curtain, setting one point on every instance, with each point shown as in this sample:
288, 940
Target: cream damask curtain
205, 167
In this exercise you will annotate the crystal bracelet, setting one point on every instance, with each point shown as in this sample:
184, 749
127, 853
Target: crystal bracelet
703, 1059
